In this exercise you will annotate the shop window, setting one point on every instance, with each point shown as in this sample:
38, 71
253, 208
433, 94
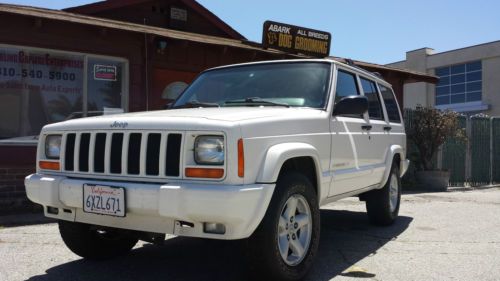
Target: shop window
459, 83
104, 86
39, 87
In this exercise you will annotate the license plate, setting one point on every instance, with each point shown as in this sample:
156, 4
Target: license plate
104, 200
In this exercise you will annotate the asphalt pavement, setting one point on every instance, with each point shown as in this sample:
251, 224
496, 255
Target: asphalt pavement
438, 236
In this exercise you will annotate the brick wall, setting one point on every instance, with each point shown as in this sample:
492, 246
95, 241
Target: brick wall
12, 192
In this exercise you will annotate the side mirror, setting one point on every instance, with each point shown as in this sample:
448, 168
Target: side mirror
355, 105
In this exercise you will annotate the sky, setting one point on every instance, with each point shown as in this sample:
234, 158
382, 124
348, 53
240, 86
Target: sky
373, 31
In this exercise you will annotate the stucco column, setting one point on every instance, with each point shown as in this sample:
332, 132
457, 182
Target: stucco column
417, 93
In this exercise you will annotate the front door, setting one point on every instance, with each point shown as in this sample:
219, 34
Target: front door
350, 141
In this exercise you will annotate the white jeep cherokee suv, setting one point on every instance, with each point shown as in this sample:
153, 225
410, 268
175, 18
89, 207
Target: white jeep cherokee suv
249, 151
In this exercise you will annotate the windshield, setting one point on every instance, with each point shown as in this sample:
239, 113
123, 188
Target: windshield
294, 84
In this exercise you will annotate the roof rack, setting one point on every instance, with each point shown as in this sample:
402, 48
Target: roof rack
378, 75
351, 63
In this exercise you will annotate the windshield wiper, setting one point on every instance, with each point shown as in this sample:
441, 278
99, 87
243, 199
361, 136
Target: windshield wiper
255, 101
196, 103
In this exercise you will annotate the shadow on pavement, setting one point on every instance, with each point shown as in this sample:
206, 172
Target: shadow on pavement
346, 237
24, 219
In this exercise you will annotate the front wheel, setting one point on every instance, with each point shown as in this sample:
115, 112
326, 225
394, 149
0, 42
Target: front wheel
93, 242
382, 205
286, 242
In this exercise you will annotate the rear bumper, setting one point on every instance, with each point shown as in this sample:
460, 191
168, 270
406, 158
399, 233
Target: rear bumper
160, 207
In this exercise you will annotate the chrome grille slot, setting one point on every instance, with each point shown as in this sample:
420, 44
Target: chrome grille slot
125, 153
99, 152
69, 152
115, 161
173, 157
134, 154
153, 154
83, 158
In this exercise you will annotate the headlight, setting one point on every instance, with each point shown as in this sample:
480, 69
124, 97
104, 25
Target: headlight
209, 150
53, 146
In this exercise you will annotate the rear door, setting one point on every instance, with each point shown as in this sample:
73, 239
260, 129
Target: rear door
395, 131
377, 134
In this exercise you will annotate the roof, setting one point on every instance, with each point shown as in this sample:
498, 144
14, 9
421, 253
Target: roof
409, 75
327, 59
132, 27
97, 7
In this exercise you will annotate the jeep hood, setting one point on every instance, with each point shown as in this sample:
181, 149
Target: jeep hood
182, 119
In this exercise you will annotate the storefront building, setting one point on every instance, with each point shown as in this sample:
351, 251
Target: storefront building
104, 58
57, 65
468, 79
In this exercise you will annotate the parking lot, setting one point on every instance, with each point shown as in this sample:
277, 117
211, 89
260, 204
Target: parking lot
439, 236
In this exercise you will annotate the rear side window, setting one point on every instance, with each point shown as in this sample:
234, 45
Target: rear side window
374, 107
390, 104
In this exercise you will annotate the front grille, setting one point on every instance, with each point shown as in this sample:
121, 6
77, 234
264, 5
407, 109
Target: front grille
141, 154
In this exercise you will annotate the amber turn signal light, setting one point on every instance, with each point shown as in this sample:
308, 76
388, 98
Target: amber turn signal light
49, 165
209, 173
241, 159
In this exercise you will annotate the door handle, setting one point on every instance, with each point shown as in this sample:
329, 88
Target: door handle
366, 127
387, 128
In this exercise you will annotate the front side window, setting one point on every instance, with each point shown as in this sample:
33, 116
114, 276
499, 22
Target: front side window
374, 108
346, 86
391, 105
39, 87
459, 83
298, 84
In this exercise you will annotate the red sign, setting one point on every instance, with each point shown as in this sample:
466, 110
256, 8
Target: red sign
104, 72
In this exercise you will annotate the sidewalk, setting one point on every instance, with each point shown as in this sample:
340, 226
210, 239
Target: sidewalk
419, 189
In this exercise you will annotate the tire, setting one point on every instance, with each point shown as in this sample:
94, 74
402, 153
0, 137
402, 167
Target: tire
382, 205
265, 243
95, 243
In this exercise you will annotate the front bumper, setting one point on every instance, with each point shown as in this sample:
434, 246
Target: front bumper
160, 208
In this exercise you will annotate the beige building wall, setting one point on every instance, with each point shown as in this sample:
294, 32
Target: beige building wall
415, 94
426, 60
399, 64
491, 85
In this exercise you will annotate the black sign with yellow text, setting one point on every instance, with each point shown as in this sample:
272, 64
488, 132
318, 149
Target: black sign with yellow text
295, 39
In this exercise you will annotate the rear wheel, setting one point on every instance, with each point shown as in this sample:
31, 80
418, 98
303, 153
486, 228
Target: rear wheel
94, 242
285, 243
382, 205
